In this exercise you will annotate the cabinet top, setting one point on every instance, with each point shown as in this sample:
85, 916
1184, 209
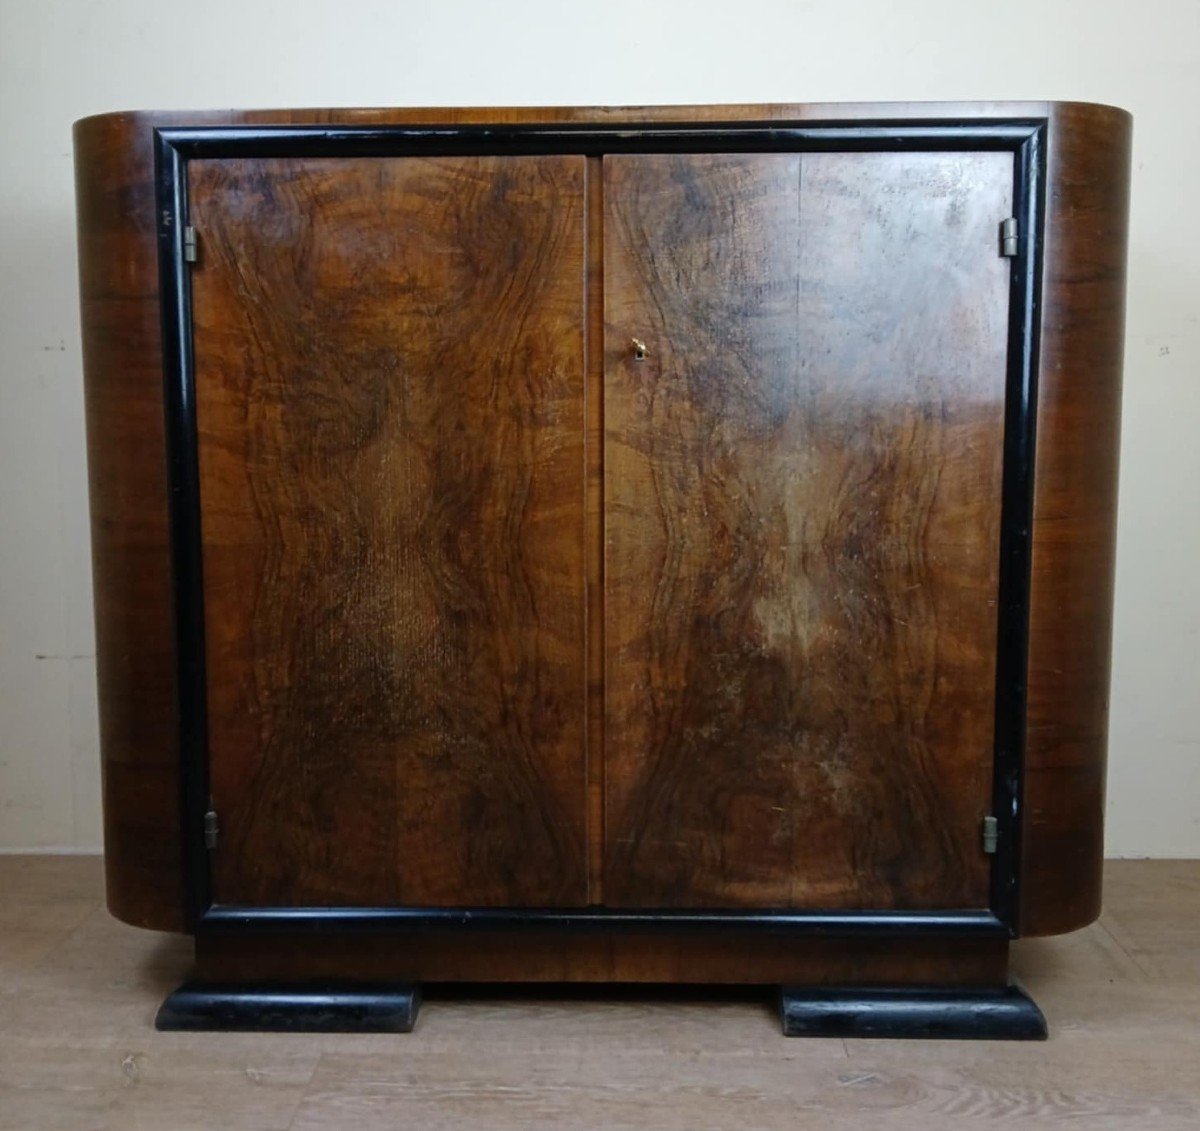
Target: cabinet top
530, 115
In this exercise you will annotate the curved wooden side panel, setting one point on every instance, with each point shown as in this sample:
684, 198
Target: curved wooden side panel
1074, 517
118, 279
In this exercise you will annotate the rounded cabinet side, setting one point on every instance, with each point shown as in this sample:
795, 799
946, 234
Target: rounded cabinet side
131, 562
1074, 517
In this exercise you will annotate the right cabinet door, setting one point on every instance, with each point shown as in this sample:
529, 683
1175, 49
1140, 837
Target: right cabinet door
802, 526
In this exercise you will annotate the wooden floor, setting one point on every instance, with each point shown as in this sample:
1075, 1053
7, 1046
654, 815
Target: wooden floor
78, 992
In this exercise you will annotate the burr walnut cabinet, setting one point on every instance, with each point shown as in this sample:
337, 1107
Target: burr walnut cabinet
630, 545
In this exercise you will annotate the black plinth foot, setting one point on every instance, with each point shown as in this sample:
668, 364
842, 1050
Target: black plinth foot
1006, 1014
230, 1007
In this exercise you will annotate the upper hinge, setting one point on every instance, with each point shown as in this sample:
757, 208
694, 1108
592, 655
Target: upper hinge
210, 829
991, 834
189, 244
1008, 237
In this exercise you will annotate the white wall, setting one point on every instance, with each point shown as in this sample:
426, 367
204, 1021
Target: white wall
60, 60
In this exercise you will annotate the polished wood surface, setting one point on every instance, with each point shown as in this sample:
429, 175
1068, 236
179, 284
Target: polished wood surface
594, 528
78, 1051
802, 521
141, 120
389, 378
726, 958
1074, 519
1074, 515
131, 559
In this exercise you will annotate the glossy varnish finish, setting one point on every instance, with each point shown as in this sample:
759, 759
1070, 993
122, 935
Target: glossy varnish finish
594, 526
131, 558
389, 379
803, 494
1087, 198
1074, 519
531, 956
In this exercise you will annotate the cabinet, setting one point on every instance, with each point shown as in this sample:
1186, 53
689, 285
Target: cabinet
604, 545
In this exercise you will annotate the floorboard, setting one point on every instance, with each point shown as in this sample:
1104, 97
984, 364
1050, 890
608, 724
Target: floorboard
78, 993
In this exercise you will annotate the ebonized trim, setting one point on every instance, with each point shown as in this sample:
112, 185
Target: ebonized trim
1006, 1014
592, 139
232, 1007
781, 921
1016, 521
1025, 138
183, 500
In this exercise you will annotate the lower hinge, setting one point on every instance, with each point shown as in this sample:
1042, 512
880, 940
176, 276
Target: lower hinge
190, 246
991, 834
210, 829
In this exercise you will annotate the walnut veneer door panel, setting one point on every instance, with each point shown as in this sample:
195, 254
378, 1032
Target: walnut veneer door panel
803, 486
389, 383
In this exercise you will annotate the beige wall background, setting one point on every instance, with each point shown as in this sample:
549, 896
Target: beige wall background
60, 60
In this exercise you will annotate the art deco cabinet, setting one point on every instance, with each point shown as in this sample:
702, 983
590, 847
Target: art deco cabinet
640, 545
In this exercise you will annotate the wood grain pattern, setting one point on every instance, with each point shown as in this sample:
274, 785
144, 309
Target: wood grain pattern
665, 957
124, 124
389, 359
131, 559
594, 534
1074, 520
1087, 209
802, 526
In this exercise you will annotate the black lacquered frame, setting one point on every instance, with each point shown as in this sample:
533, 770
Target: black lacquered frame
1025, 138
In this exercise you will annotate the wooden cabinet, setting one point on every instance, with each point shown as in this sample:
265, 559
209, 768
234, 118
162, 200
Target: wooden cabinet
605, 545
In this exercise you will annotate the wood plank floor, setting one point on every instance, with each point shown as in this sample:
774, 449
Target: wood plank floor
78, 992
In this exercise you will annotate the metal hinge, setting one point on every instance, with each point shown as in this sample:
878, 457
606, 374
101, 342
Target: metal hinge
1008, 237
210, 829
991, 834
189, 244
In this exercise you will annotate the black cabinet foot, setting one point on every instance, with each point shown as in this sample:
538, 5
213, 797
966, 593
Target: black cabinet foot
1002, 1014
306, 1008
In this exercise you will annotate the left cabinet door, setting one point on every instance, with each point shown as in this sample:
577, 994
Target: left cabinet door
388, 358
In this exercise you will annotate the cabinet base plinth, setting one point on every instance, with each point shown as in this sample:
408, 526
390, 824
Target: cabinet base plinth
317, 1008
1003, 1014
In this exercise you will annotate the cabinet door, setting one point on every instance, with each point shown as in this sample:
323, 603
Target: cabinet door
389, 373
803, 485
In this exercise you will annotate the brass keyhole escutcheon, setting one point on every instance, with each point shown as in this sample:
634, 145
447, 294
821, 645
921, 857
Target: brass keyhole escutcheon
639, 350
